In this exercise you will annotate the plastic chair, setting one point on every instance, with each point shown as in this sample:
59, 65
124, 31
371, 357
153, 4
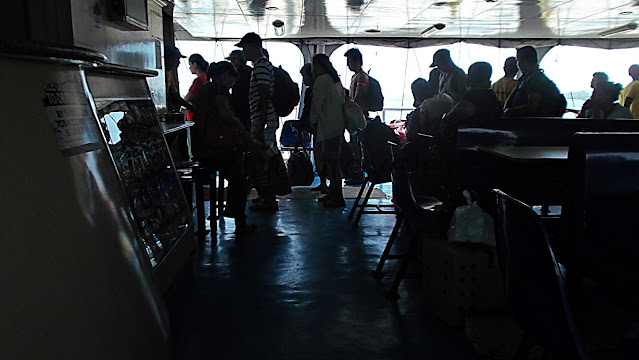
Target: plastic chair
534, 284
377, 166
417, 214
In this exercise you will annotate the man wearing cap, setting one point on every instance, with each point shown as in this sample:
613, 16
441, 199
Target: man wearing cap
452, 80
240, 94
264, 120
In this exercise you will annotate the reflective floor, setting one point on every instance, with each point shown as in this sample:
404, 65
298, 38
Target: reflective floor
300, 288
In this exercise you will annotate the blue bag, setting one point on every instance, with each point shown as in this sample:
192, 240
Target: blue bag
288, 138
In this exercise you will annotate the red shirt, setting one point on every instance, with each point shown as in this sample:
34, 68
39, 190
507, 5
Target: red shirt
195, 88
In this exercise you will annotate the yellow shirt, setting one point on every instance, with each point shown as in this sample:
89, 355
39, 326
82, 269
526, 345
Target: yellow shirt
632, 91
503, 87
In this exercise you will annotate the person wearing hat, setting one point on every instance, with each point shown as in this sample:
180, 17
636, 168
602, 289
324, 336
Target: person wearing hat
240, 93
174, 100
452, 80
264, 119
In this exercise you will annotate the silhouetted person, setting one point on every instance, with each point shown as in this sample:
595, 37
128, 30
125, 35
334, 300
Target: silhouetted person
358, 92
631, 92
198, 67
535, 94
421, 91
478, 106
174, 100
240, 93
433, 80
176, 140
264, 120
585, 111
504, 86
452, 80
604, 103
305, 124
327, 116
222, 140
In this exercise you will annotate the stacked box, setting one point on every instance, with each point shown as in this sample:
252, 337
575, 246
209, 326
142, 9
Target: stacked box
460, 280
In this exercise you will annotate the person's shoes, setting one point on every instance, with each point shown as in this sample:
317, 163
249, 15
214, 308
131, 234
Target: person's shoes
245, 229
324, 198
334, 203
321, 188
265, 205
355, 181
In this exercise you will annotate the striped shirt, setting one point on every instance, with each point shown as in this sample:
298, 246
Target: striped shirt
262, 75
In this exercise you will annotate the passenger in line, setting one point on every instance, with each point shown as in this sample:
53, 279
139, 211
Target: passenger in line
631, 92
535, 94
478, 106
586, 111
421, 91
240, 93
504, 86
198, 67
452, 80
305, 124
604, 102
358, 92
264, 120
174, 100
326, 115
177, 140
222, 140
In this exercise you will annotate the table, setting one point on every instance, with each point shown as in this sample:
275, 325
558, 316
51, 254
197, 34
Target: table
534, 174
528, 153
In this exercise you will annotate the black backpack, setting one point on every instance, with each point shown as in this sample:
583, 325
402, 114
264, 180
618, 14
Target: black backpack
286, 93
300, 168
554, 103
374, 97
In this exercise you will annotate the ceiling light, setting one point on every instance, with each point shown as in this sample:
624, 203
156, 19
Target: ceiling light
279, 27
433, 28
440, 3
625, 13
271, 8
372, 31
620, 29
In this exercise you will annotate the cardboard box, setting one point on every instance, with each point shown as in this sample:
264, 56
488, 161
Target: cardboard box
460, 280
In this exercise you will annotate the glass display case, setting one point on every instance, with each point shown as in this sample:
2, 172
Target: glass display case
144, 165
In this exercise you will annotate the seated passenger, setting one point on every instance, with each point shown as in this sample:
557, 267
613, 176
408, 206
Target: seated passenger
504, 86
421, 91
630, 93
585, 111
604, 103
535, 94
220, 139
479, 105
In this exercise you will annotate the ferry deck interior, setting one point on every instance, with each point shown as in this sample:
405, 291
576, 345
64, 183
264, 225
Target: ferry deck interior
114, 251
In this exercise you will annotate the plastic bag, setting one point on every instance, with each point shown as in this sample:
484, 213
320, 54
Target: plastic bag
471, 224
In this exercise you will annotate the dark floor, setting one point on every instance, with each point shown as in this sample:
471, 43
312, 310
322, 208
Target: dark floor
300, 288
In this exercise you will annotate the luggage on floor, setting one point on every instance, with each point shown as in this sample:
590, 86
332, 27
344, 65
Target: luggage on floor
300, 168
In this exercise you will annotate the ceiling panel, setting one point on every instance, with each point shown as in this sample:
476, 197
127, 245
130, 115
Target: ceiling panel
510, 19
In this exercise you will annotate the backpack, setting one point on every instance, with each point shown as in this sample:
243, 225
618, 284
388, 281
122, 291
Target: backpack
286, 93
353, 117
374, 97
554, 103
300, 168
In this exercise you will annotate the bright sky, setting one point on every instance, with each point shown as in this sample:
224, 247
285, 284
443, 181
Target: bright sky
395, 68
